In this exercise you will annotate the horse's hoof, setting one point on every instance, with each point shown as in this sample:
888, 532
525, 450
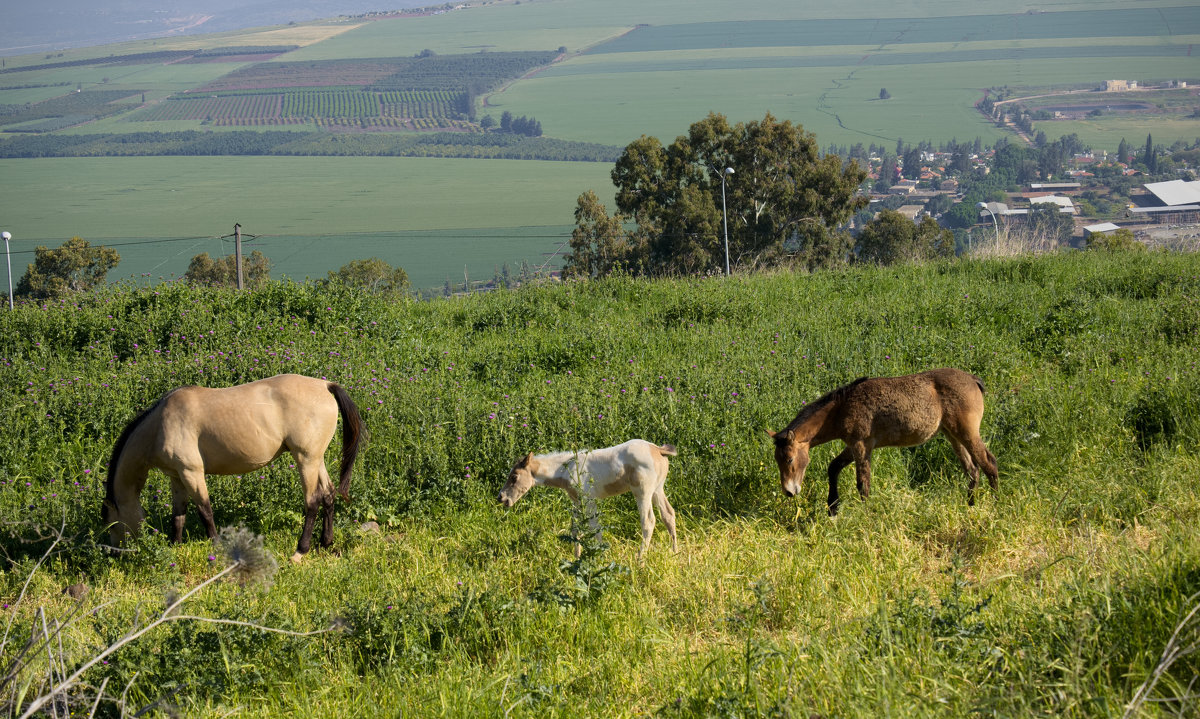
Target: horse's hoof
297, 557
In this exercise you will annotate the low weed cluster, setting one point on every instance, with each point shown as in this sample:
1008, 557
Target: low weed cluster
1055, 596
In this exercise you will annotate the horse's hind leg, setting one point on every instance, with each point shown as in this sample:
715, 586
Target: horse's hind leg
969, 466
327, 501
310, 469
987, 461
667, 512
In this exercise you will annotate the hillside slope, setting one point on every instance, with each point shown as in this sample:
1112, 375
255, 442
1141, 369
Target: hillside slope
1052, 597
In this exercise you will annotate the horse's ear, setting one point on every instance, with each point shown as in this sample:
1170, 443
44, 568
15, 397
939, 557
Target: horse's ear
528, 460
770, 433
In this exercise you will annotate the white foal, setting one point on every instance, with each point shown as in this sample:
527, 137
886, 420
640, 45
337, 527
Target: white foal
635, 466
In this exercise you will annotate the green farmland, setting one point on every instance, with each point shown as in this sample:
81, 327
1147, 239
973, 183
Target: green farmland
333, 210
629, 68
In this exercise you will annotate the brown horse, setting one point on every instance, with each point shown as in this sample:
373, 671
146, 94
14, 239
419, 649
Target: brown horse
887, 412
194, 431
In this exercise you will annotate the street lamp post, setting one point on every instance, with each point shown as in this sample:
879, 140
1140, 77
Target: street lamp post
725, 216
8, 236
995, 225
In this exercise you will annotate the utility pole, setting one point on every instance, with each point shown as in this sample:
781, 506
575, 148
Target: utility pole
237, 252
8, 236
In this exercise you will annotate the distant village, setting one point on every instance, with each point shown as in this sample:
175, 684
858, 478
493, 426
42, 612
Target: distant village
1174, 201
1150, 188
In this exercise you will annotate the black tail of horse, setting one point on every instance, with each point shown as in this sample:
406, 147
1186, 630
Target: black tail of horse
353, 433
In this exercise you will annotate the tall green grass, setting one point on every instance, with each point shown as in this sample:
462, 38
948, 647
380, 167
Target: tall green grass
1051, 597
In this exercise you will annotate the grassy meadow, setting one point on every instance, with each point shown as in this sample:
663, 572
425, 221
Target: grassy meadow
1053, 597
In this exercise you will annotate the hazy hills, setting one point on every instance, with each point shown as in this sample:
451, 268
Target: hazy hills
56, 24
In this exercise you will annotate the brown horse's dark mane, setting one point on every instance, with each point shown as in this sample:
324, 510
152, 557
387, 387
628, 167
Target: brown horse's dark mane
834, 395
111, 479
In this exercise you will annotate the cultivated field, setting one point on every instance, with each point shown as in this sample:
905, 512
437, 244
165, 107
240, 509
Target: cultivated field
476, 213
1053, 597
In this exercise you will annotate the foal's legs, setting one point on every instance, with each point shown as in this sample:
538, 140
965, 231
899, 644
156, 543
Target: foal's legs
646, 510
667, 512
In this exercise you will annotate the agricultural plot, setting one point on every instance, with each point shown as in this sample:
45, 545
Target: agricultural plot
238, 107
421, 93
616, 97
471, 212
21, 94
422, 109
901, 31
1106, 133
81, 106
289, 74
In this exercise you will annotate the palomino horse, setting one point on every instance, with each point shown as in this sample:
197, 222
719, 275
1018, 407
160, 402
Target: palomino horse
635, 466
194, 431
887, 412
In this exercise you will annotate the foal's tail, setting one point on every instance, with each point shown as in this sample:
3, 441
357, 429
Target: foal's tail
661, 464
353, 433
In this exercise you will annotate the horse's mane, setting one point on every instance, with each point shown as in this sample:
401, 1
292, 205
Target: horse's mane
110, 480
809, 410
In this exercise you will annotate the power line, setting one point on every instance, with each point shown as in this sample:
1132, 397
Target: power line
416, 234
118, 244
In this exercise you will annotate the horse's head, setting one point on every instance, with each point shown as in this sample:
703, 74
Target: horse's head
520, 479
792, 457
122, 521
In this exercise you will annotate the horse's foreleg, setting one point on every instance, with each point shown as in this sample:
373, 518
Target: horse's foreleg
862, 469
192, 482
835, 468
179, 503
204, 508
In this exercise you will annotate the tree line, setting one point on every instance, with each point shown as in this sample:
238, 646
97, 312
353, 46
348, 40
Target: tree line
761, 184
282, 142
522, 125
79, 266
